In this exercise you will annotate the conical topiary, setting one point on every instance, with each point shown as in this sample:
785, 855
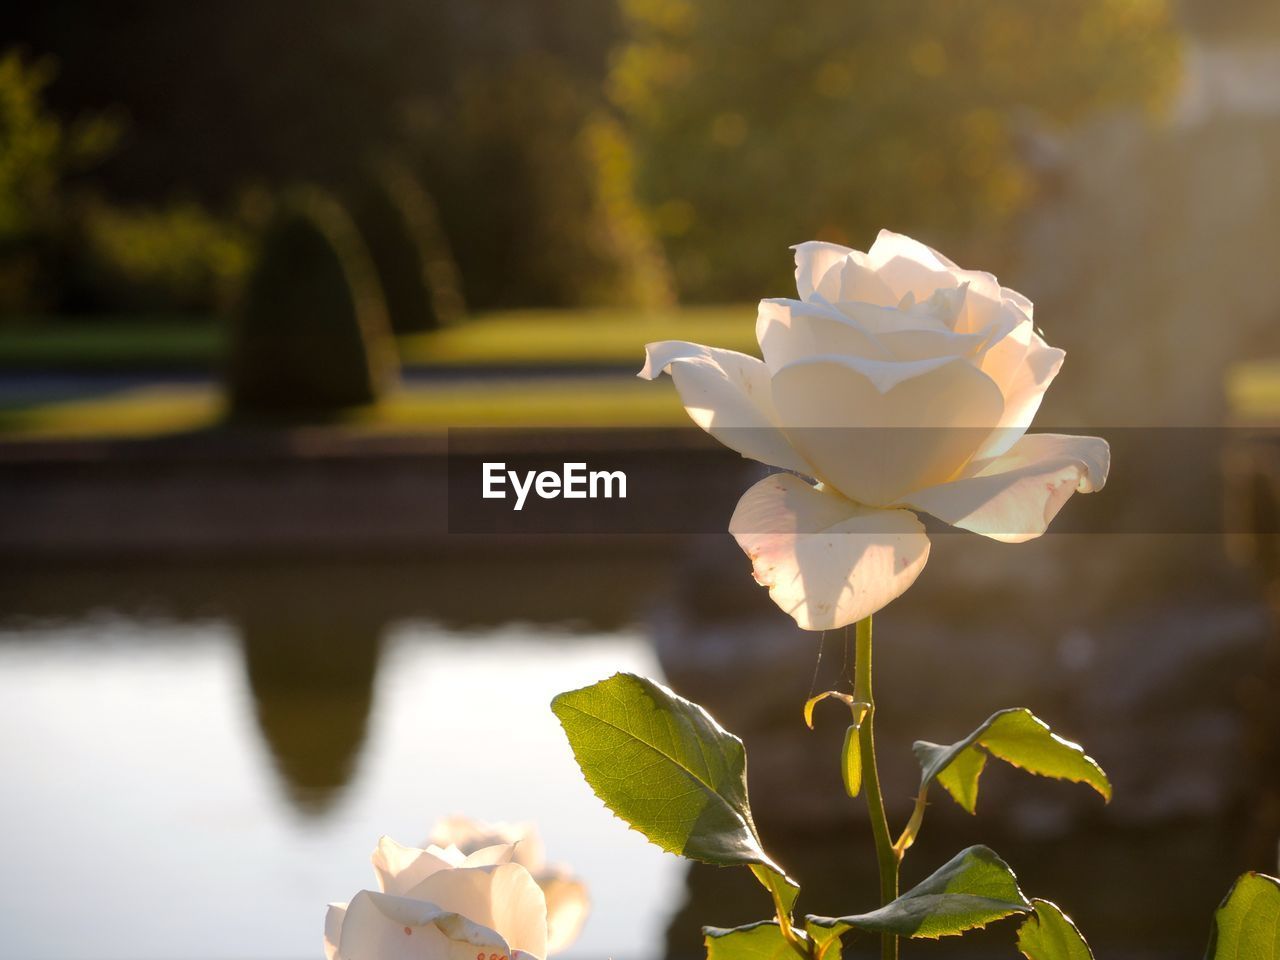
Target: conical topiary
310, 335
399, 222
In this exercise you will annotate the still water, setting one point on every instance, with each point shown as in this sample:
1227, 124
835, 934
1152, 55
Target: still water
198, 756
166, 800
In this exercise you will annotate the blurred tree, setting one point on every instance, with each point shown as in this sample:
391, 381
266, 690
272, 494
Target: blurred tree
38, 153
311, 336
760, 125
178, 258
63, 248
495, 98
533, 194
401, 227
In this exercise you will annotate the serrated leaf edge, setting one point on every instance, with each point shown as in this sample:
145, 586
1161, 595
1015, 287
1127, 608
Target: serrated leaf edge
857, 921
1213, 931
930, 774
763, 859
1035, 918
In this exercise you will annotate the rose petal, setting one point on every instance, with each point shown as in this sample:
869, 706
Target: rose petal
1014, 497
830, 272
333, 918
815, 260
907, 266
876, 431
932, 314
985, 311
790, 330
400, 868
567, 907
1021, 302
519, 909
470, 835
827, 562
979, 281
399, 928
926, 330
449, 854
909, 345
727, 394
491, 855
1023, 366
504, 898
889, 245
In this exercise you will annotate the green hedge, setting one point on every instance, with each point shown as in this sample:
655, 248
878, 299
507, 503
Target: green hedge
311, 333
400, 224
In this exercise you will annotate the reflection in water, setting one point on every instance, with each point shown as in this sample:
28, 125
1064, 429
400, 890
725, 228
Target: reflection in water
311, 633
311, 674
171, 712
139, 764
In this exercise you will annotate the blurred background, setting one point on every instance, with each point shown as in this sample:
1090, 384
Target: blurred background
256, 259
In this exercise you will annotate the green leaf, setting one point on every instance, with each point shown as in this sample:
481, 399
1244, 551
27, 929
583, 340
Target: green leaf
826, 942
1050, 935
975, 888
1017, 737
857, 707
667, 768
851, 753
851, 762
781, 887
1247, 924
764, 941
755, 941
814, 701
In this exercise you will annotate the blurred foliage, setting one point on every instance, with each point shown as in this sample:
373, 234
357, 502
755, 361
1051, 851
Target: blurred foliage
311, 336
401, 227
496, 105
38, 153
177, 257
64, 248
534, 188
627, 228
590, 337
37, 150
584, 152
766, 124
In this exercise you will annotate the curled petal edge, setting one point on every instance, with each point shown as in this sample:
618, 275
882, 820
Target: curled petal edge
1014, 497
729, 395
826, 561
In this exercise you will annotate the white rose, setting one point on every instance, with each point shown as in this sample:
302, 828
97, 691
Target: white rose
567, 900
900, 383
439, 904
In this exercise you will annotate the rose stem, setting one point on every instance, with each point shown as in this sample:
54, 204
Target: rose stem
885, 853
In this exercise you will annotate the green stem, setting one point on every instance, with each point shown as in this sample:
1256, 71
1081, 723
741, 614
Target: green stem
788, 931
886, 855
797, 943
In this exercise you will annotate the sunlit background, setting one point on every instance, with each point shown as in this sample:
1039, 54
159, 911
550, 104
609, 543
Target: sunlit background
255, 259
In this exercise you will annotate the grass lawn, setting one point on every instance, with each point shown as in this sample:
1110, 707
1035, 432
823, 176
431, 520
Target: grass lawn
109, 343
509, 338
538, 337
154, 411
